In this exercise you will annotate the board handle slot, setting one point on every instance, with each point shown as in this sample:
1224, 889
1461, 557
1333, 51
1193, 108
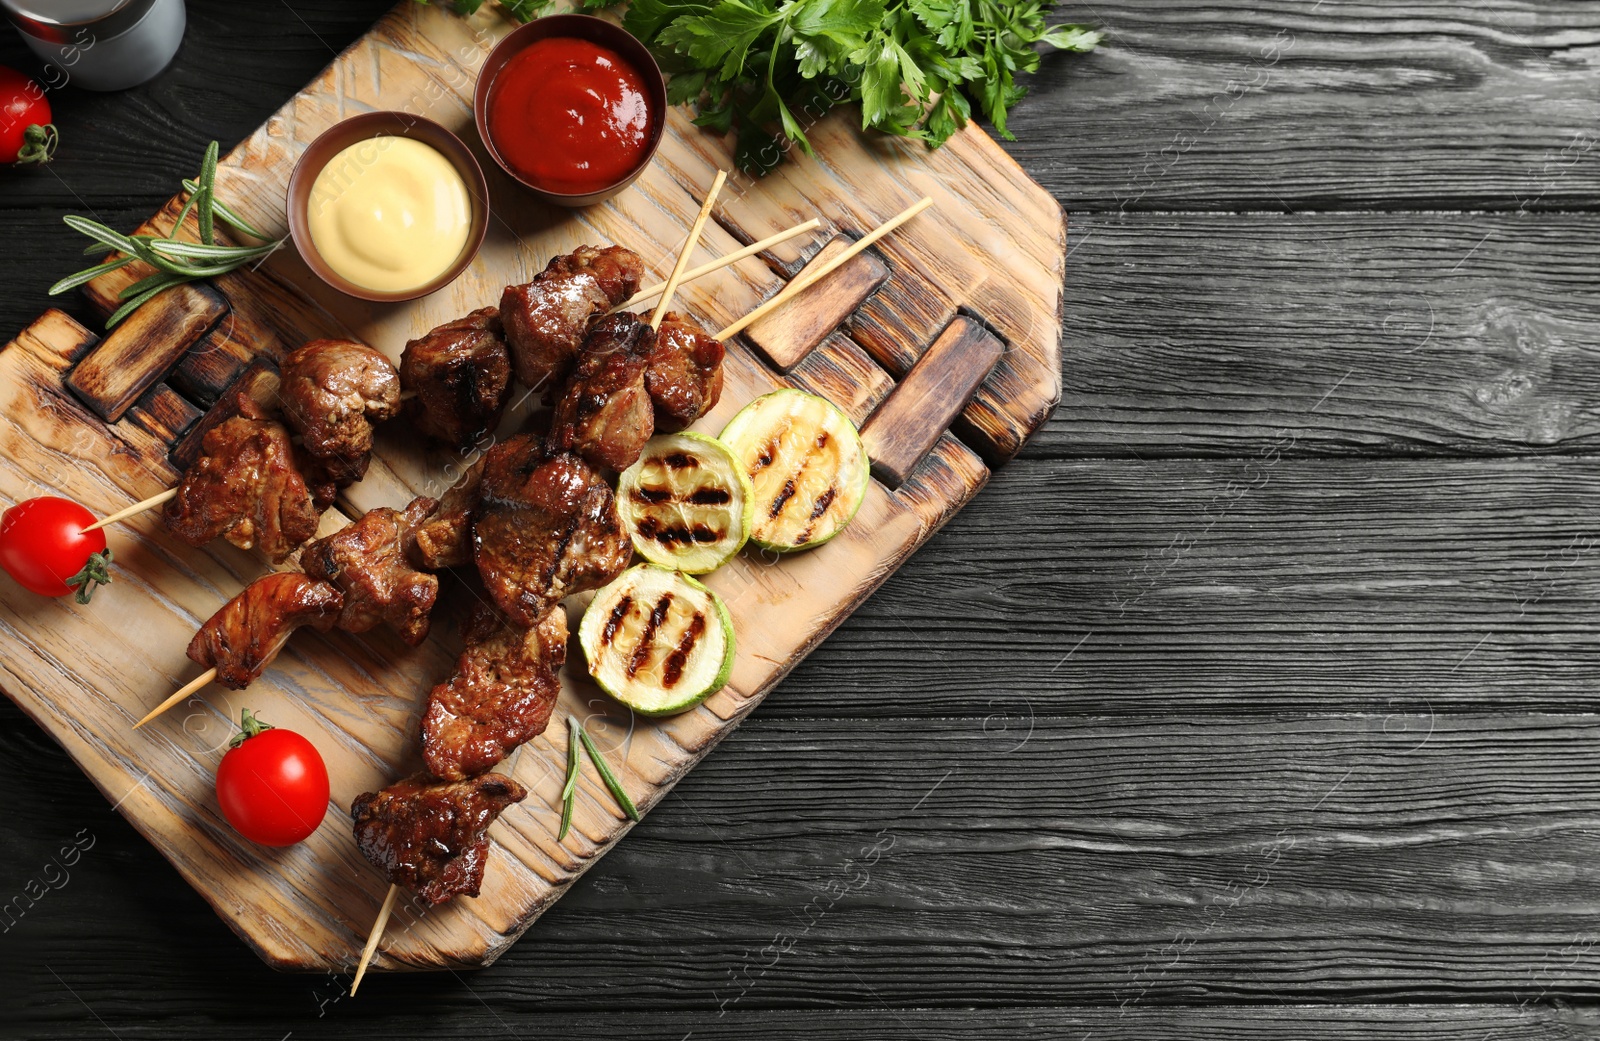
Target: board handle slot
786, 335
902, 430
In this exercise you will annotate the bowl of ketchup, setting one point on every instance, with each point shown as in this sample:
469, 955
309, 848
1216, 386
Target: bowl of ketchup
572, 107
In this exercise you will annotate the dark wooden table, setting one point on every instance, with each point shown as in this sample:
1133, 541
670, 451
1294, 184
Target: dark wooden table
1255, 700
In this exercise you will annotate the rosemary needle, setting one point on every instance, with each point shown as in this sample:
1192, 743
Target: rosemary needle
176, 260
607, 776
574, 728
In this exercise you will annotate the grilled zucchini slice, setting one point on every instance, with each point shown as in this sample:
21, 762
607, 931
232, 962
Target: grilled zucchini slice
658, 641
687, 503
807, 464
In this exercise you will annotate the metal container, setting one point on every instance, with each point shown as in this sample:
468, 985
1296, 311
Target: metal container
99, 44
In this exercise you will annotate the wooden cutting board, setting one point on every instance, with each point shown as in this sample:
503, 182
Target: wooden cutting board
942, 340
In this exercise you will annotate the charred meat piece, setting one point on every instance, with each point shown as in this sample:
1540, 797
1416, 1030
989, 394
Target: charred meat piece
461, 374
547, 527
684, 372
243, 637
501, 695
246, 487
444, 538
546, 319
432, 836
604, 413
367, 562
333, 391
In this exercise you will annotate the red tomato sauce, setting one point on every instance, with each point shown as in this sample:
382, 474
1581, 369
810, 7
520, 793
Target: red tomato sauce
570, 116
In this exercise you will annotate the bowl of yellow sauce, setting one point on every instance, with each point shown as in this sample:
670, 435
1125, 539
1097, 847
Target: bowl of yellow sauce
387, 206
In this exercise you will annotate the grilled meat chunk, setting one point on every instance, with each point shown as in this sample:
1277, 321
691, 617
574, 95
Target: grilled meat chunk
444, 538
243, 637
246, 487
604, 413
546, 319
461, 374
501, 695
367, 562
332, 392
684, 372
547, 527
432, 836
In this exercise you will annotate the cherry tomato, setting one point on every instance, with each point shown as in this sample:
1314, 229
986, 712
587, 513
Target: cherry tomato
26, 133
44, 547
272, 784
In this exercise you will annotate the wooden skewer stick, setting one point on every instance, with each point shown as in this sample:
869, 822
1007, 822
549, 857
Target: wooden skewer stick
688, 248
183, 692
720, 263
800, 284
374, 936
138, 507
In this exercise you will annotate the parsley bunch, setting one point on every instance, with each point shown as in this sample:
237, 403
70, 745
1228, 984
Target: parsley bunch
521, 10
917, 67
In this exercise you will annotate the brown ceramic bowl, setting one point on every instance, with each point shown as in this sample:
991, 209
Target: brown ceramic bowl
384, 124
595, 30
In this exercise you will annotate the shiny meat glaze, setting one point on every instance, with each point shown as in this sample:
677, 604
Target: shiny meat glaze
604, 413
545, 320
444, 538
243, 637
332, 391
501, 695
367, 562
246, 488
684, 372
432, 836
547, 527
461, 374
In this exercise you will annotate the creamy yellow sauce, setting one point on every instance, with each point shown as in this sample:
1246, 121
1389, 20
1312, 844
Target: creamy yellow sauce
390, 214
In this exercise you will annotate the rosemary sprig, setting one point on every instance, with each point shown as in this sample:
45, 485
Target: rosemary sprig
607, 776
569, 789
176, 260
576, 735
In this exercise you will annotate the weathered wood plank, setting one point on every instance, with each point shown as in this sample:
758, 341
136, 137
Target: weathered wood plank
1288, 105
788, 334
164, 413
999, 861
1268, 584
137, 354
1373, 334
933, 393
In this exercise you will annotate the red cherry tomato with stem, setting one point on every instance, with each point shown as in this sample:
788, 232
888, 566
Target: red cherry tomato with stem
44, 547
272, 785
26, 133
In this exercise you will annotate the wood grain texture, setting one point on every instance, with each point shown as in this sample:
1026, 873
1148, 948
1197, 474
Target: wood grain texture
902, 429
961, 866
786, 335
136, 355
1225, 586
1331, 334
1289, 105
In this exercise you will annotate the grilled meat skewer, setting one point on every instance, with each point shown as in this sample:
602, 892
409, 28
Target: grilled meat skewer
432, 836
243, 637
501, 694
369, 562
461, 375
546, 319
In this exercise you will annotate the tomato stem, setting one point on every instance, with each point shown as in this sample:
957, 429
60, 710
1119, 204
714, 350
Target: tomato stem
38, 144
249, 726
96, 573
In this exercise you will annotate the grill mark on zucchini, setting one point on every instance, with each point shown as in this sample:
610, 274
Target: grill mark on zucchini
784, 495
672, 671
710, 497
651, 496
675, 535
614, 622
678, 461
641, 650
